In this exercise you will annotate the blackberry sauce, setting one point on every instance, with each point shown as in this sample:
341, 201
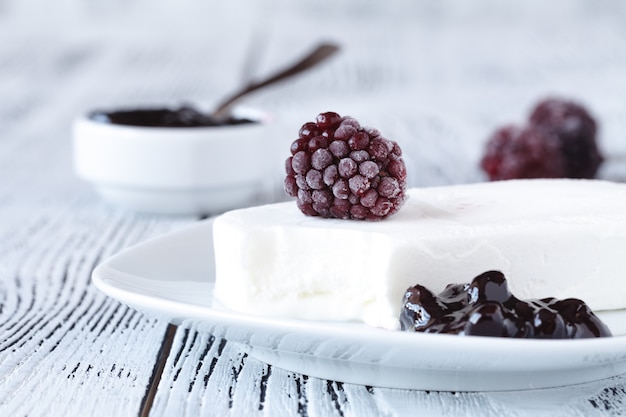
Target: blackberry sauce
485, 307
184, 116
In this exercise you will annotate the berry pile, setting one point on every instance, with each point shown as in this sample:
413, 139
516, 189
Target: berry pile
485, 307
559, 141
338, 169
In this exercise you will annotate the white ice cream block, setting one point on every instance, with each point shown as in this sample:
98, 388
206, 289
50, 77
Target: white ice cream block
551, 238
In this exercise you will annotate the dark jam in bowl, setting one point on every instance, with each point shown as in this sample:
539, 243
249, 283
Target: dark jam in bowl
184, 116
485, 307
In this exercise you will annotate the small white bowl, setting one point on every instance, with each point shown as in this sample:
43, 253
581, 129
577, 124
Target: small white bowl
175, 170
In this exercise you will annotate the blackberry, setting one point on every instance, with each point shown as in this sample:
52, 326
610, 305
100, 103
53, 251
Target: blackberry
576, 130
485, 307
523, 152
559, 141
339, 169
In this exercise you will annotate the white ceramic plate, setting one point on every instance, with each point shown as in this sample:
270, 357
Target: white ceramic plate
172, 277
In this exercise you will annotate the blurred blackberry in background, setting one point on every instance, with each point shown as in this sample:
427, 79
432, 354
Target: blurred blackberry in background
559, 141
576, 131
523, 152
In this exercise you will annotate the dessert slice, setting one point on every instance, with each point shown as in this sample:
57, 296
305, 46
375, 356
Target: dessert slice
557, 238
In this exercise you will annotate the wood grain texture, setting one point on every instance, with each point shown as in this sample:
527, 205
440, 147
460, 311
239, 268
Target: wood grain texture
64, 346
207, 376
435, 76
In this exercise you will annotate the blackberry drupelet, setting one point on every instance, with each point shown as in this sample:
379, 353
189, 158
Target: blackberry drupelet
485, 307
339, 169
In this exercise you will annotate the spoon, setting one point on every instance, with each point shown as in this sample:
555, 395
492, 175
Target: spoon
318, 55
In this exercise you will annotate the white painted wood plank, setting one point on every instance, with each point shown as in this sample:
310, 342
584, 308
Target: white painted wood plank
64, 346
288, 394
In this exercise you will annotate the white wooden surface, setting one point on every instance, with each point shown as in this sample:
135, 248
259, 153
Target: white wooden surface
435, 76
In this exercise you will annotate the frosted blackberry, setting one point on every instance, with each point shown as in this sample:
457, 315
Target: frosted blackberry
576, 131
559, 141
528, 152
339, 169
485, 307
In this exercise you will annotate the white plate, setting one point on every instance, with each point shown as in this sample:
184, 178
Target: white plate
172, 277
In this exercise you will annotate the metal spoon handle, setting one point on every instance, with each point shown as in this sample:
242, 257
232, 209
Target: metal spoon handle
321, 53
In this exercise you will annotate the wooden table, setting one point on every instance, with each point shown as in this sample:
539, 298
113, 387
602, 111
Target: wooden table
435, 76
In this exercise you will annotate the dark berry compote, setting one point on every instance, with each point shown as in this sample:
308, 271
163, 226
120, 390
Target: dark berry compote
485, 307
183, 116
339, 169
559, 141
